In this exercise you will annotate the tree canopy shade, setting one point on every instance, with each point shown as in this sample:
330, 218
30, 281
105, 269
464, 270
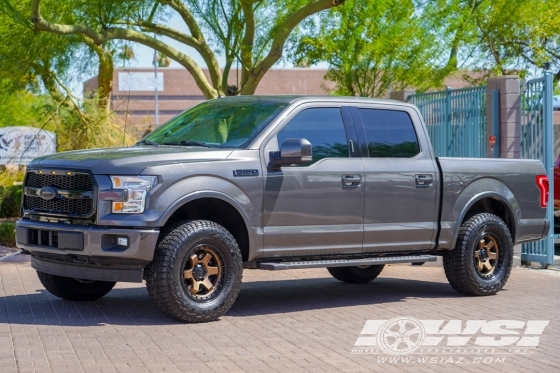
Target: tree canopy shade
372, 47
36, 71
251, 31
497, 36
29, 60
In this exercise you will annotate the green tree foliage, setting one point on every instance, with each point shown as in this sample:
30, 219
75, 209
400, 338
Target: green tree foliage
372, 47
498, 37
252, 31
20, 108
35, 72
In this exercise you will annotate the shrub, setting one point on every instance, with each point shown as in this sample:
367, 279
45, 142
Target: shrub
10, 200
8, 234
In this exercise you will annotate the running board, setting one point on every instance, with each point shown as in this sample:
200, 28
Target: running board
275, 266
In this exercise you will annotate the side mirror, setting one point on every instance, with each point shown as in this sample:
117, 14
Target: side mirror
292, 151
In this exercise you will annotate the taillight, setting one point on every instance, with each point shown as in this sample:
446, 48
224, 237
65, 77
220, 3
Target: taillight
542, 183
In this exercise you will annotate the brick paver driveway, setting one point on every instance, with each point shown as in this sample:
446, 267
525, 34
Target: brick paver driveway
292, 321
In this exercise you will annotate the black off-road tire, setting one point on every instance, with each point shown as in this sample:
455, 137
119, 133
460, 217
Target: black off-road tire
356, 275
482, 231
75, 289
167, 282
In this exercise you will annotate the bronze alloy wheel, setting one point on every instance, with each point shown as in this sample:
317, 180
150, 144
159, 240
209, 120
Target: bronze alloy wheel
203, 272
196, 272
486, 255
481, 261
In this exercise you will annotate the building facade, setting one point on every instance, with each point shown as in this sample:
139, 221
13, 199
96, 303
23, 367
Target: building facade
133, 96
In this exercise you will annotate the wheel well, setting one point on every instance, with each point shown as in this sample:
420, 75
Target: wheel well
219, 212
493, 206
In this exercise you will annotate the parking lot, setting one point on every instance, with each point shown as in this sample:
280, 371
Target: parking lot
283, 321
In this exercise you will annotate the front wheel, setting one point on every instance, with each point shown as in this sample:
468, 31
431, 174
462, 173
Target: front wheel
481, 262
196, 272
75, 289
356, 274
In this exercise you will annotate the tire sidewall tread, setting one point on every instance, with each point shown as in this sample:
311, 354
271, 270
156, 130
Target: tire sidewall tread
458, 263
164, 279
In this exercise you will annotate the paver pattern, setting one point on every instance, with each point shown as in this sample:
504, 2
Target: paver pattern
283, 321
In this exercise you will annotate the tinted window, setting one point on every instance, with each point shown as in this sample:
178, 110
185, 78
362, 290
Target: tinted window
323, 128
389, 133
225, 123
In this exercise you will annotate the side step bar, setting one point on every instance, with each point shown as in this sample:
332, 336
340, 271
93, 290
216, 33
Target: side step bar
275, 266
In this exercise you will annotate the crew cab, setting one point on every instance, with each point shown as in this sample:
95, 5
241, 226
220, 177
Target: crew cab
274, 183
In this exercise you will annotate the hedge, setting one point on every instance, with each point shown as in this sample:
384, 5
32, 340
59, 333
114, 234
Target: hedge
8, 234
10, 200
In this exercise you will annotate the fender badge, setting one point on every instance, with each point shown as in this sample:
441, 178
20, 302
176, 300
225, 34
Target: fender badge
238, 173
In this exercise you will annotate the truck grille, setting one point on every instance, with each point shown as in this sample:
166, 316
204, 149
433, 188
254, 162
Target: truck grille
81, 206
74, 182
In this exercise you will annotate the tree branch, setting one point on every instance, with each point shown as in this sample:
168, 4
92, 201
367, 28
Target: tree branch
248, 40
279, 40
113, 33
187, 16
204, 49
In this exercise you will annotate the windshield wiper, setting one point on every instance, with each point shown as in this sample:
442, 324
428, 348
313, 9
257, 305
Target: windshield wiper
189, 143
148, 142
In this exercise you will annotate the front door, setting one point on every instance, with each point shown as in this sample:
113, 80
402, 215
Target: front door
316, 208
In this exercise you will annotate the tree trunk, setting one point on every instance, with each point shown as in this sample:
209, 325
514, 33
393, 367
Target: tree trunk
104, 75
105, 80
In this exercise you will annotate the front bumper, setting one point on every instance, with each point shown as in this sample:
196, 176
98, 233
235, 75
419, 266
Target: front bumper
87, 271
90, 246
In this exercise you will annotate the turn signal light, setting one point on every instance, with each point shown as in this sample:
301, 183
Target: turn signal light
542, 183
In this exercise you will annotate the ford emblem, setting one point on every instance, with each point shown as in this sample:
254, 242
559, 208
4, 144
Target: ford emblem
47, 193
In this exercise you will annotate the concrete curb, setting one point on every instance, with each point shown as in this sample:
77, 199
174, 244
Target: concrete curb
16, 257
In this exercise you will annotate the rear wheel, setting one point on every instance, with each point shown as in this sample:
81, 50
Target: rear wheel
356, 274
481, 262
75, 289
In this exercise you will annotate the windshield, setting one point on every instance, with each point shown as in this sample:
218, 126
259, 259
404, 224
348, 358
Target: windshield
221, 123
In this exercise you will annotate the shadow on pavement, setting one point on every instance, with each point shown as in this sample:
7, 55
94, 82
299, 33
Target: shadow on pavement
132, 306
268, 297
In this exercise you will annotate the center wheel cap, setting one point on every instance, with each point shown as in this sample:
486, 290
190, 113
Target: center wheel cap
198, 272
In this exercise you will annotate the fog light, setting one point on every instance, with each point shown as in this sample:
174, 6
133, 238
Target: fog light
122, 241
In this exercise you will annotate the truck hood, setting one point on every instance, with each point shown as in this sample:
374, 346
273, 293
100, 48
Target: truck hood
128, 161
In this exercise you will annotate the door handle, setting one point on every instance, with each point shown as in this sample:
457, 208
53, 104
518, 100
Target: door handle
351, 180
424, 181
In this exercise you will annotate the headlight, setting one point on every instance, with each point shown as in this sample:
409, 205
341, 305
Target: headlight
137, 188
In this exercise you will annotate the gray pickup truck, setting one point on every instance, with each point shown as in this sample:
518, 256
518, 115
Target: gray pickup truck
274, 183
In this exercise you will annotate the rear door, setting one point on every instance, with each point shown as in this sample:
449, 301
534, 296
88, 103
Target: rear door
318, 208
400, 180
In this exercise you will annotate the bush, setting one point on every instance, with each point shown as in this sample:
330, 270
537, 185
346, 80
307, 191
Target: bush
10, 201
8, 234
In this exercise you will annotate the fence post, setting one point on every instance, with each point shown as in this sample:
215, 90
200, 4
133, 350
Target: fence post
549, 159
495, 108
448, 128
509, 115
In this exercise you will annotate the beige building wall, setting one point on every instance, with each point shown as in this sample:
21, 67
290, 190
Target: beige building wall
135, 108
